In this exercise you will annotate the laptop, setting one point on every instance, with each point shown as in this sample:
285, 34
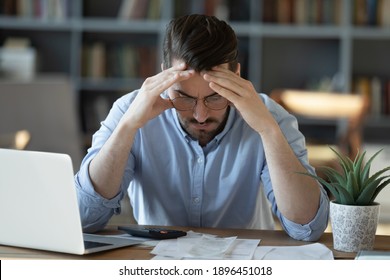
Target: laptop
39, 208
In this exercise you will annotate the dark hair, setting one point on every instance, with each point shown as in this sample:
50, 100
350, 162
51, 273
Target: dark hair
201, 41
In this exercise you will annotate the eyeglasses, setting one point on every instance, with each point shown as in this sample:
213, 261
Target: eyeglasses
186, 103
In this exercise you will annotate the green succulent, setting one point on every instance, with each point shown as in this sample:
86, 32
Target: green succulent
354, 185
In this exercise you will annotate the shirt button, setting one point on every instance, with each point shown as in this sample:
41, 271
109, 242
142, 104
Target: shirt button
196, 200
200, 160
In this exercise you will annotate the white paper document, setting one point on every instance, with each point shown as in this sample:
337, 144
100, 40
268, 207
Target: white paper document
204, 246
315, 251
373, 255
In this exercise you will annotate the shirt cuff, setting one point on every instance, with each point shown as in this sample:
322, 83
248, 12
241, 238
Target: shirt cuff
315, 228
90, 196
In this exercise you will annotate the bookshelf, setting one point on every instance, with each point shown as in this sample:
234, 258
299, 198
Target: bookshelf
97, 42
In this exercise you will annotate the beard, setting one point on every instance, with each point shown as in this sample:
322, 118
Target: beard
203, 136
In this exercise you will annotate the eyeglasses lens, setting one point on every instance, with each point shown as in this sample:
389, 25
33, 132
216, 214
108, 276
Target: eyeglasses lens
188, 103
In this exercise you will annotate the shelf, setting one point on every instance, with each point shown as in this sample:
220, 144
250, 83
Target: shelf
298, 31
368, 33
108, 84
36, 24
380, 122
377, 130
272, 54
117, 25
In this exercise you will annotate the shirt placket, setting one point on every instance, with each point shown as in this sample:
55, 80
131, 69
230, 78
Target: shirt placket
197, 187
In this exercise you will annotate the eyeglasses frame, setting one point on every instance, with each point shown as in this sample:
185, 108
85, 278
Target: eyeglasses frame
196, 102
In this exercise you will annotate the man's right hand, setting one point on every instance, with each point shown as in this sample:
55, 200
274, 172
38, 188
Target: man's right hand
148, 104
107, 168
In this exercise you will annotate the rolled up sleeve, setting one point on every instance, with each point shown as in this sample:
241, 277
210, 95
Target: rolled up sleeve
95, 210
314, 229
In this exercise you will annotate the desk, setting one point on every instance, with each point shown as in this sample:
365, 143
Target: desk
268, 238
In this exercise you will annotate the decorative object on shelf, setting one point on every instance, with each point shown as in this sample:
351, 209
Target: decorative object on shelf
18, 59
354, 212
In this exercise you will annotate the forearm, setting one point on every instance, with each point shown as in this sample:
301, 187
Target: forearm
297, 196
107, 168
95, 218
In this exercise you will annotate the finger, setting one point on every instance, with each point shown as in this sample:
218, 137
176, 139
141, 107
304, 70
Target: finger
228, 82
176, 73
165, 79
220, 72
224, 92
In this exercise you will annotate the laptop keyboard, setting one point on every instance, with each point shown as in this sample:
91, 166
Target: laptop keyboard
92, 244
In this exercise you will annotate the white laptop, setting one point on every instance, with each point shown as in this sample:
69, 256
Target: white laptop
39, 208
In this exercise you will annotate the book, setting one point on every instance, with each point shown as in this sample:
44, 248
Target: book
154, 11
384, 13
376, 89
363, 87
285, 11
38, 9
97, 60
328, 12
376, 97
269, 10
126, 9
211, 6
300, 12
386, 105
134, 9
372, 12
360, 12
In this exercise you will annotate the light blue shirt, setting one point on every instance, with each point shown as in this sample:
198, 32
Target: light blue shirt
172, 180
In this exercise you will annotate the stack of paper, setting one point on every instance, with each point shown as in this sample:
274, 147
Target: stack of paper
373, 255
205, 246
315, 251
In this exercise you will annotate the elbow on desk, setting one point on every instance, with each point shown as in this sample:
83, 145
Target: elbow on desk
309, 232
92, 227
91, 223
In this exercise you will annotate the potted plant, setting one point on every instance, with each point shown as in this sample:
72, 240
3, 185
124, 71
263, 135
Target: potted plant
353, 211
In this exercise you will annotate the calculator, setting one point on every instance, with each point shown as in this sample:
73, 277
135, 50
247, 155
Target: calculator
152, 232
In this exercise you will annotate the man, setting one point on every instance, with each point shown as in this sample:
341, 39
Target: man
196, 143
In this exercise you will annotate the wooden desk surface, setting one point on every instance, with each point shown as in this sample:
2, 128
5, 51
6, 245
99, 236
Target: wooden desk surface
268, 238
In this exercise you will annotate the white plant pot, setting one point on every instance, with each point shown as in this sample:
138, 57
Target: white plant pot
353, 226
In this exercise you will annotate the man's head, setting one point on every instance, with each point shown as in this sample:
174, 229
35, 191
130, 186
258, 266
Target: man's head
200, 41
